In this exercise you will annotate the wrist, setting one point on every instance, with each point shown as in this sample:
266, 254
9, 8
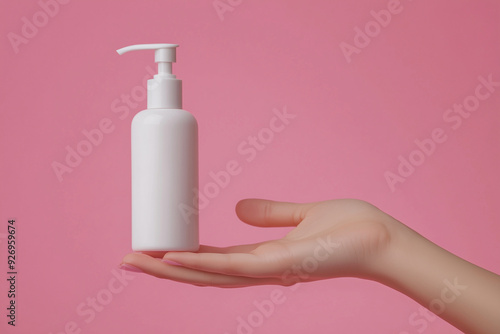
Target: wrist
401, 258
440, 281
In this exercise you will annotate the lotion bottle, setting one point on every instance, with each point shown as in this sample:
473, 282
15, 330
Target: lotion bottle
164, 163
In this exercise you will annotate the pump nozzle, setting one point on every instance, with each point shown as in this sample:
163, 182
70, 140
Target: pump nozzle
164, 52
164, 91
164, 55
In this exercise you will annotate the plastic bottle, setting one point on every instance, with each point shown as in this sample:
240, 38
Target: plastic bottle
164, 163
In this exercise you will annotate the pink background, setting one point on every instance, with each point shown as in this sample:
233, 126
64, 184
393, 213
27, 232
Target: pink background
353, 120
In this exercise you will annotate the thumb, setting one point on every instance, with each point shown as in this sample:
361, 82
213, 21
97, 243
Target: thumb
265, 213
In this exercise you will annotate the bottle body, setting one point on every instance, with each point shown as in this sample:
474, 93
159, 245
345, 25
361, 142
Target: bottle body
164, 181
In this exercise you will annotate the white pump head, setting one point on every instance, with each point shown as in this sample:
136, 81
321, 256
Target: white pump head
164, 90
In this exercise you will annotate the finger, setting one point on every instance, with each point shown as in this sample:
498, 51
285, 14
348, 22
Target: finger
234, 264
209, 249
230, 249
154, 267
265, 213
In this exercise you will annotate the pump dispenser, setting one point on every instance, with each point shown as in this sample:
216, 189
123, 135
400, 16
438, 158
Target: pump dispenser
164, 163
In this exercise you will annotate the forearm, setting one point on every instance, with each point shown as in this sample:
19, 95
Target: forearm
460, 292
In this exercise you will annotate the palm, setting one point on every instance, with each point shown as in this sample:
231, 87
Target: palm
351, 232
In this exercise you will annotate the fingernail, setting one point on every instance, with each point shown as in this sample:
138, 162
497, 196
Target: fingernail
172, 263
128, 267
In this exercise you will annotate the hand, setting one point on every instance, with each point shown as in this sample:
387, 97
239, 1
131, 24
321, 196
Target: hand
331, 239
340, 238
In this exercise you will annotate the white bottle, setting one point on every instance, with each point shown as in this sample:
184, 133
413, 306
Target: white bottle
164, 163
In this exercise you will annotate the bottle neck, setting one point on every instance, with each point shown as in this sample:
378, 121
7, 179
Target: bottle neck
164, 93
